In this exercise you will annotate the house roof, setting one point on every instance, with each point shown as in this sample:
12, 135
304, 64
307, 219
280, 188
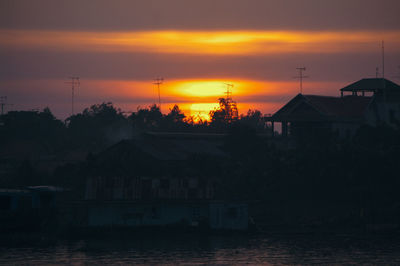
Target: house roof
323, 107
371, 84
339, 106
169, 149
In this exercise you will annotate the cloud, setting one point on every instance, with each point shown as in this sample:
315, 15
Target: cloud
198, 42
118, 47
104, 15
144, 66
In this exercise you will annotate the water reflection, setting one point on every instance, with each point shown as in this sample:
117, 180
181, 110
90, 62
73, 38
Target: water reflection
221, 250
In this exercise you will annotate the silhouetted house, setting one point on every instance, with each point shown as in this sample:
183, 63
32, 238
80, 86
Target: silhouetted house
384, 107
155, 166
369, 86
159, 180
371, 101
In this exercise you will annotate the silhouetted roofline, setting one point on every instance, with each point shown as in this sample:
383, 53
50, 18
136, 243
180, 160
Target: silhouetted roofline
166, 149
371, 84
327, 108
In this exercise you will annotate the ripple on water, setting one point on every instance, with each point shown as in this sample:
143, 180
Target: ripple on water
220, 250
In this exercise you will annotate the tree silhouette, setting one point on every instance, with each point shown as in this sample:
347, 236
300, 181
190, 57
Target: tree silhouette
37, 126
226, 114
147, 118
92, 127
253, 119
174, 120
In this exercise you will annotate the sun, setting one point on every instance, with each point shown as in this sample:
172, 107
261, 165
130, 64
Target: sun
201, 88
201, 111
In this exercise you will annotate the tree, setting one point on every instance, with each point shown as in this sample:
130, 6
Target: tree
174, 120
147, 118
94, 127
176, 115
226, 114
32, 125
254, 119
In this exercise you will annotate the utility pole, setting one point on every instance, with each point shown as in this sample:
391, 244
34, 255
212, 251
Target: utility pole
74, 82
3, 102
301, 77
158, 82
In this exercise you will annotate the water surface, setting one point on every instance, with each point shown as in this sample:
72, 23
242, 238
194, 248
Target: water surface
195, 249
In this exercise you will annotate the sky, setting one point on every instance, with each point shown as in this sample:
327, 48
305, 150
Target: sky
119, 47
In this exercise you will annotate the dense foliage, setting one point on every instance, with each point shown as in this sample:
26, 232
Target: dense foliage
316, 181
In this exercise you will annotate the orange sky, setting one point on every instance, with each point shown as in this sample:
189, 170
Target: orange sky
199, 42
119, 49
195, 97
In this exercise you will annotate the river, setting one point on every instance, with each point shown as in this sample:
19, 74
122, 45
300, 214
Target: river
196, 249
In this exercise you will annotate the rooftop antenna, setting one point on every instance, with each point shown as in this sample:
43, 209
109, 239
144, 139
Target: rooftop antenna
231, 107
377, 72
383, 74
3, 102
301, 77
228, 91
158, 82
74, 82
383, 59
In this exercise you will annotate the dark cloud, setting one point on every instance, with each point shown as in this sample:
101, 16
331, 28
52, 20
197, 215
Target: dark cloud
141, 66
204, 14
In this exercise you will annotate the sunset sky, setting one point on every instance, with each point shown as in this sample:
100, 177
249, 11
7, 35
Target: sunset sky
118, 47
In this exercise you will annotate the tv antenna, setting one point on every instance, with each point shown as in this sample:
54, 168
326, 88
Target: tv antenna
230, 108
228, 92
383, 59
377, 72
158, 82
301, 77
3, 102
74, 82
